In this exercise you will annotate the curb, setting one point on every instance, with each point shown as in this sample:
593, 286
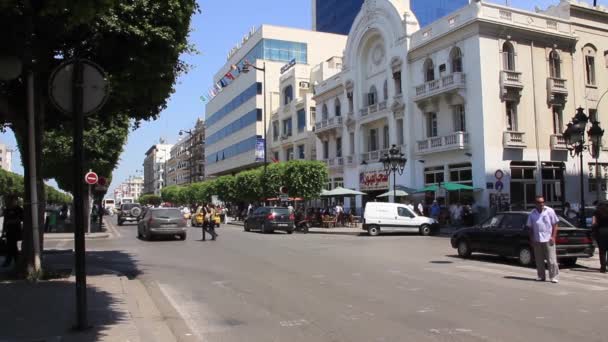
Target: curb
92, 236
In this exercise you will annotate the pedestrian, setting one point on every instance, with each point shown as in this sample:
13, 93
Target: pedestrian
11, 228
458, 214
420, 209
209, 225
542, 223
600, 232
435, 210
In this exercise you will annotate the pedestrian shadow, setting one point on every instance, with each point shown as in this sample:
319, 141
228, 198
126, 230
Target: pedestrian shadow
520, 278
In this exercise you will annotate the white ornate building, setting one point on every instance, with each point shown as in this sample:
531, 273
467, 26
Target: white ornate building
479, 97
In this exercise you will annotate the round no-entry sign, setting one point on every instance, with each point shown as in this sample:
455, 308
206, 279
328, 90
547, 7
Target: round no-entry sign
91, 178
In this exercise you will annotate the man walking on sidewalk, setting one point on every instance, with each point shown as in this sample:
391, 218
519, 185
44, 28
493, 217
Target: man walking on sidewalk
542, 222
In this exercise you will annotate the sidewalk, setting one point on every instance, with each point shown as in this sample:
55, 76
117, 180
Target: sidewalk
119, 309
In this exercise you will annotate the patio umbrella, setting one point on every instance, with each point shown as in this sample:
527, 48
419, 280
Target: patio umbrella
340, 192
448, 186
400, 193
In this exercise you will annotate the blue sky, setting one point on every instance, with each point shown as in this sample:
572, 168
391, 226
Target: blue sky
215, 31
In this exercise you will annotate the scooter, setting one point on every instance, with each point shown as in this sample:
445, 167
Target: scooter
303, 223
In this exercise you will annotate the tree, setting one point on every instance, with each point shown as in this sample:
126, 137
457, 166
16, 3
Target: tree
150, 199
305, 179
225, 189
248, 185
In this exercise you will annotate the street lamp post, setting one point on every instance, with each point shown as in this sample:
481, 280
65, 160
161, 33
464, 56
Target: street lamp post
245, 69
575, 139
394, 161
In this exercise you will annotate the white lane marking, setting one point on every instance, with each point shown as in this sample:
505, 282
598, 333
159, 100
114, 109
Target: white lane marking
189, 318
294, 323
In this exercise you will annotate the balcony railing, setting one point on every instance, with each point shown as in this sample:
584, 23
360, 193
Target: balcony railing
350, 160
373, 156
454, 141
511, 79
512, 139
376, 107
444, 84
558, 142
328, 124
557, 90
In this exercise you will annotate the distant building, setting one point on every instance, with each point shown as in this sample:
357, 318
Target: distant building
186, 163
133, 187
155, 165
197, 146
178, 165
6, 156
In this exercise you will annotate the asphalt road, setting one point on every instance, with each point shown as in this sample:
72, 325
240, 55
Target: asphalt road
336, 287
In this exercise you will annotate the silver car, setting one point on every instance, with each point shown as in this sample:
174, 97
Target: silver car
168, 222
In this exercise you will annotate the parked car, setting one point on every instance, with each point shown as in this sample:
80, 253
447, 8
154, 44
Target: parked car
269, 219
162, 222
382, 217
130, 212
506, 234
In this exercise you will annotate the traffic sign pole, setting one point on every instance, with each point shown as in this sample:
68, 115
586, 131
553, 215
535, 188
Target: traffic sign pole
79, 215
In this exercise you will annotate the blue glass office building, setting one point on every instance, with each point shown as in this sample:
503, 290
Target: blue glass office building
337, 16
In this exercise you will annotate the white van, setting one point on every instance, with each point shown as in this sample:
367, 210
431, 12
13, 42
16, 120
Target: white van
392, 217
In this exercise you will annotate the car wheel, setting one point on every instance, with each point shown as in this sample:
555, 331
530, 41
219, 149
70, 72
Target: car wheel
568, 261
246, 227
374, 230
306, 228
525, 256
119, 222
425, 230
464, 250
183, 237
289, 231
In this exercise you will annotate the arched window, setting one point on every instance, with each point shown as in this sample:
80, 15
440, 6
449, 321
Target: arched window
508, 56
385, 90
456, 59
372, 96
429, 70
287, 94
324, 113
589, 54
337, 107
555, 65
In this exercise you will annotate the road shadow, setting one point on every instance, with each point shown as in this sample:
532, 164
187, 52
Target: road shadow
520, 278
46, 310
510, 261
336, 232
441, 262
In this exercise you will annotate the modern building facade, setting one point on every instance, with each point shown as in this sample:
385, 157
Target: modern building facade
155, 165
6, 158
133, 187
236, 123
480, 97
337, 16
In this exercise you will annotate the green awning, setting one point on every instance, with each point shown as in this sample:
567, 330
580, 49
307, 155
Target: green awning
448, 186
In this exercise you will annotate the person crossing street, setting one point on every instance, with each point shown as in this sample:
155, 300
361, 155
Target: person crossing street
542, 222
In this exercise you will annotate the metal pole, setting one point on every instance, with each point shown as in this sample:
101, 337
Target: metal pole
598, 186
265, 135
394, 185
79, 215
31, 132
582, 211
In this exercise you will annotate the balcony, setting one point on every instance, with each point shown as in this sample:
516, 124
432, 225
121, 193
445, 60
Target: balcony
446, 84
558, 143
557, 90
334, 163
373, 156
375, 108
328, 124
454, 141
510, 84
511, 139
351, 160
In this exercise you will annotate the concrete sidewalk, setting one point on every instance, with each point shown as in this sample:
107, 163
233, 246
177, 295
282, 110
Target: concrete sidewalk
119, 309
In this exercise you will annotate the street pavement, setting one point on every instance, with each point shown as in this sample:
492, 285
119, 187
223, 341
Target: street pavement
337, 286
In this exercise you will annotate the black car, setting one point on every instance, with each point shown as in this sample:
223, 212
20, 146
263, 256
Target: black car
269, 219
130, 212
506, 234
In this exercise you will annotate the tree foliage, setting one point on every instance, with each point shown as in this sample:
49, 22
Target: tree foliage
12, 184
302, 178
150, 199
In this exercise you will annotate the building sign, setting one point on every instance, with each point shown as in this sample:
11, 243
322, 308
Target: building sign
373, 180
288, 66
259, 150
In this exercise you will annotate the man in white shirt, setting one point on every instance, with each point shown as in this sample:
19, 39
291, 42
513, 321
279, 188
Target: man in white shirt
542, 222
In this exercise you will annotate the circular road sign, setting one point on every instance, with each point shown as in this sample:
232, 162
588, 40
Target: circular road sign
95, 87
91, 178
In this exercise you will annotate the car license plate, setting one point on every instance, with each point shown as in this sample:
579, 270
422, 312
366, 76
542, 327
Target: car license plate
169, 225
282, 224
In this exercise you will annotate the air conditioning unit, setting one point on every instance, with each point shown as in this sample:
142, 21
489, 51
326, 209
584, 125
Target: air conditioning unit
304, 85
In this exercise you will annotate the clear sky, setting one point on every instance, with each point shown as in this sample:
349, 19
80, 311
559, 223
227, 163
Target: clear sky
215, 31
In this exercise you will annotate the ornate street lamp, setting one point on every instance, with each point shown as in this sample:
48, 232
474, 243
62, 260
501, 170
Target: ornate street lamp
394, 161
574, 135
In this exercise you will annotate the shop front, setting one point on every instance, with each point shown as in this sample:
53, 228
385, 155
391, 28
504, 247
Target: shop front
374, 183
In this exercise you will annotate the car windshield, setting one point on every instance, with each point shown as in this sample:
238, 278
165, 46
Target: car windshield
563, 223
129, 206
166, 213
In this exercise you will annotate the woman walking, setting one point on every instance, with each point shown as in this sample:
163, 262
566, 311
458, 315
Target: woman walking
600, 232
